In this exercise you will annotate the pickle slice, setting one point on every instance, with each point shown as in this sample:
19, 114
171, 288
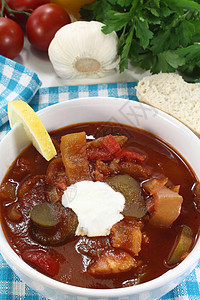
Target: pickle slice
45, 214
63, 230
135, 204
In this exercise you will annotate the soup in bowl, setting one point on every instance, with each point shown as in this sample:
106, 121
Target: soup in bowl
114, 214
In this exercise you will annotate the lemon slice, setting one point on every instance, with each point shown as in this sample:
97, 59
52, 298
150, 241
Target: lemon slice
21, 112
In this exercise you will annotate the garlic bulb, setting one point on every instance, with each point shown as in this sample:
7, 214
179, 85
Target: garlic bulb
81, 49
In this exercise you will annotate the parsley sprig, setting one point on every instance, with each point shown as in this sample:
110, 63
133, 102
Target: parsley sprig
158, 35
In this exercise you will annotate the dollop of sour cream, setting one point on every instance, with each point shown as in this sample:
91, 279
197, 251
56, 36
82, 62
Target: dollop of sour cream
97, 206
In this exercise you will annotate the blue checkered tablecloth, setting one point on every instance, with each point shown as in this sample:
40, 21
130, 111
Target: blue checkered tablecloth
11, 287
16, 82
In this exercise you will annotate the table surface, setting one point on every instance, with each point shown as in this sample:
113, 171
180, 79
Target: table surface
39, 63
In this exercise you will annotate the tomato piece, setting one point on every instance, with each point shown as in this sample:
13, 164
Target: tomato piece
43, 23
130, 155
104, 148
111, 144
12, 38
121, 139
42, 260
98, 153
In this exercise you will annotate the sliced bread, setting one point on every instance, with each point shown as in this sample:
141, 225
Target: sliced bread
171, 94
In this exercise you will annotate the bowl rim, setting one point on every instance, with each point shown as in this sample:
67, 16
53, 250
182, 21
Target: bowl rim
171, 275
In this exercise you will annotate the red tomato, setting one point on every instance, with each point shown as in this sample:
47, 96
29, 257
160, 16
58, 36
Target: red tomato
42, 260
12, 38
25, 4
43, 24
22, 5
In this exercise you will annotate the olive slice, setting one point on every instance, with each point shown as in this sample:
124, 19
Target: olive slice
60, 232
135, 204
45, 214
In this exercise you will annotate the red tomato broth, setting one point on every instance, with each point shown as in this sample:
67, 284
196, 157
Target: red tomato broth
75, 254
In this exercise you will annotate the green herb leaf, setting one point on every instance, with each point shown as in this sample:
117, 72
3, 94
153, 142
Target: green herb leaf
96, 11
125, 50
159, 35
142, 32
161, 41
183, 4
124, 3
167, 61
157, 2
191, 54
184, 32
116, 21
196, 36
173, 59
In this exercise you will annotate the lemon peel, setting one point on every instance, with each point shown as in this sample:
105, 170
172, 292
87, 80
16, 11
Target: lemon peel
20, 112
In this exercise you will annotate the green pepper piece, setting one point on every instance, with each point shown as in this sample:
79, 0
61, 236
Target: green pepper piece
135, 204
181, 246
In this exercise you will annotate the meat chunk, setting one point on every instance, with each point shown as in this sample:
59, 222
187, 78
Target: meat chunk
93, 246
101, 169
112, 262
114, 166
73, 149
154, 185
135, 170
56, 174
127, 235
98, 176
34, 191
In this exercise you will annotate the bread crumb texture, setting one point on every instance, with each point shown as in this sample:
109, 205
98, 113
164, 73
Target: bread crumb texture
171, 94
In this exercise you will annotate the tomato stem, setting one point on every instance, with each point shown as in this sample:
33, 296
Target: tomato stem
11, 11
2, 7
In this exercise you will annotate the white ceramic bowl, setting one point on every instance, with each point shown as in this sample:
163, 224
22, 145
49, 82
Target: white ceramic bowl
103, 109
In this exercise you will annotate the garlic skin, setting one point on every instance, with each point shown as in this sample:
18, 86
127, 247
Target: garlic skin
82, 50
